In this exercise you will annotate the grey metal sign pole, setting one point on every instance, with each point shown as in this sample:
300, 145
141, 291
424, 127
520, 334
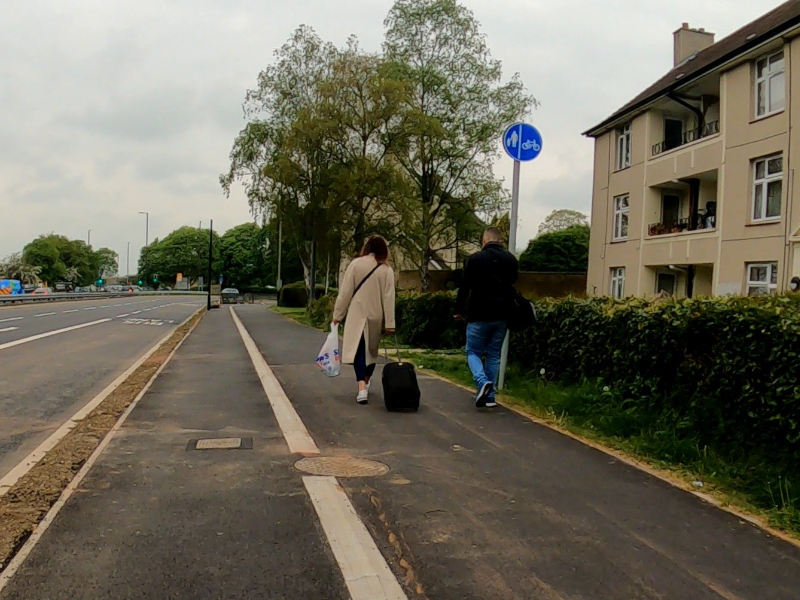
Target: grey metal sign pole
512, 247
523, 143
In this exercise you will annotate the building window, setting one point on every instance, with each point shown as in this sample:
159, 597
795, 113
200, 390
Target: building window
624, 147
618, 282
770, 84
621, 209
767, 188
762, 279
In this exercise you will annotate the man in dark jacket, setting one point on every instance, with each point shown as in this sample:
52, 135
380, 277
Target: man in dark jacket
484, 299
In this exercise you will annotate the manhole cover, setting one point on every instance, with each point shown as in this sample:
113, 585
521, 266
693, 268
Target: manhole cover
221, 444
341, 466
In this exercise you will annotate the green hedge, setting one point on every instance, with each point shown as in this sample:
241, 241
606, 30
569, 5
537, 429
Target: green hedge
725, 369
295, 295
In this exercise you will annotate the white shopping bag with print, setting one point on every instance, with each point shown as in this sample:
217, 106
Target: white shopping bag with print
329, 359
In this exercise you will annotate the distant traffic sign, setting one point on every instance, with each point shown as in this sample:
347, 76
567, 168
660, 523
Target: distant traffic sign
220, 278
522, 142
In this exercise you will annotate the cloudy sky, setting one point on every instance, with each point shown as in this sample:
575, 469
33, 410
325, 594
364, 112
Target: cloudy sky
108, 108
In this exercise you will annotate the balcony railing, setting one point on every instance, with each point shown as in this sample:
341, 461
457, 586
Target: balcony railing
687, 138
699, 222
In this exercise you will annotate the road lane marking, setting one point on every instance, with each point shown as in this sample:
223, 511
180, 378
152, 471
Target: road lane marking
103, 306
44, 314
15, 563
66, 312
125, 315
8, 329
365, 571
11, 319
90, 308
116, 305
40, 336
136, 312
127, 304
294, 432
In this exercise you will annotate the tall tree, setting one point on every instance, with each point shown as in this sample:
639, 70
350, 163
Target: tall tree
43, 253
243, 253
559, 220
454, 117
184, 251
281, 161
562, 251
107, 263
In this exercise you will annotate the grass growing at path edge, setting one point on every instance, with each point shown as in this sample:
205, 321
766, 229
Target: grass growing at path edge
594, 413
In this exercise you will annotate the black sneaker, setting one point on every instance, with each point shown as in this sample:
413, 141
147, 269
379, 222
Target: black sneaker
483, 395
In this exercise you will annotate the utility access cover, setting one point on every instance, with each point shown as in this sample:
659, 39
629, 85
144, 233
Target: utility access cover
221, 444
341, 466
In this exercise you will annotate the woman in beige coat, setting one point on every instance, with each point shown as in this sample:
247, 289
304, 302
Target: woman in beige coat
366, 298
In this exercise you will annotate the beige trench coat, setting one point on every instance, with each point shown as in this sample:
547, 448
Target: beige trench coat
369, 312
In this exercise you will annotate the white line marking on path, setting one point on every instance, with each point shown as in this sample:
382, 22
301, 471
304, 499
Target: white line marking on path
33, 338
125, 315
11, 319
116, 305
8, 329
295, 433
90, 308
136, 312
66, 312
8, 573
103, 306
44, 314
365, 571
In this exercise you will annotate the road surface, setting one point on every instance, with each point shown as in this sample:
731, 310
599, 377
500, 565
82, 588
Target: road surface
55, 357
471, 505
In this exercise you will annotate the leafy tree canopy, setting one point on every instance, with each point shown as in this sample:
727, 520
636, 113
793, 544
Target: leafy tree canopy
563, 251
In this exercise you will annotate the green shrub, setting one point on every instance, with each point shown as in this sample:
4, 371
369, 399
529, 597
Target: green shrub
295, 295
320, 313
426, 321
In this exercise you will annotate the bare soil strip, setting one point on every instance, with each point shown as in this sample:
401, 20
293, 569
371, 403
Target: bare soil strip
24, 505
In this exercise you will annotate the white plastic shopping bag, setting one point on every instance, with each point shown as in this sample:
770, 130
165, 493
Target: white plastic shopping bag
329, 359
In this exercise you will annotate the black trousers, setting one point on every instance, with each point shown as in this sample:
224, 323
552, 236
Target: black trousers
363, 370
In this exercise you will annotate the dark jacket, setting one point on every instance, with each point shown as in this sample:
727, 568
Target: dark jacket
485, 292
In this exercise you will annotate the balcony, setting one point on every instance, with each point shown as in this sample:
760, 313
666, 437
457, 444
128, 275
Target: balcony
705, 221
686, 137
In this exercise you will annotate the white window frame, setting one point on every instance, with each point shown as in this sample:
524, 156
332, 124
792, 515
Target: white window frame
768, 285
766, 77
617, 282
624, 134
763, 184
621, 213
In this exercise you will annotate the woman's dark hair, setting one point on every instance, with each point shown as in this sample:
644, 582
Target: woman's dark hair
376, 245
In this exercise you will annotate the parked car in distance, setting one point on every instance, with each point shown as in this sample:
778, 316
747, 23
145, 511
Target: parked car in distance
42, 291
230, 296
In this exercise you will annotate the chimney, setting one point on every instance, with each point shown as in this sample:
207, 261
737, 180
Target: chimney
688, 41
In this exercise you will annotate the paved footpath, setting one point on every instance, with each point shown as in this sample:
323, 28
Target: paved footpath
473, 506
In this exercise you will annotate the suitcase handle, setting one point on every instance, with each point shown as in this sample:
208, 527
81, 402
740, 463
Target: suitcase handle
397, 345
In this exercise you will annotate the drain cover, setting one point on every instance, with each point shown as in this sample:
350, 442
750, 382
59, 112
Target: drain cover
341, 466
221, 444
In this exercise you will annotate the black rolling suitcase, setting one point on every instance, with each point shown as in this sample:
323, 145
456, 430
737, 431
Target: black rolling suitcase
400, 387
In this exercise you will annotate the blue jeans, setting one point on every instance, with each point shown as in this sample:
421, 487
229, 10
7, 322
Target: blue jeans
485, 338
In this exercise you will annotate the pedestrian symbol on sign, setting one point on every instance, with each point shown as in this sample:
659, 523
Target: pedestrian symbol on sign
512, 140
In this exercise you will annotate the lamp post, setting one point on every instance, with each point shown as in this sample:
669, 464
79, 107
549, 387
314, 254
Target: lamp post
128, 265
89, 238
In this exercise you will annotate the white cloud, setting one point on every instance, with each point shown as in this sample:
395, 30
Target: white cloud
112, 108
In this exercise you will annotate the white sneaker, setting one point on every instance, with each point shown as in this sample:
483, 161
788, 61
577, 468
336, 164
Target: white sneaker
363, 397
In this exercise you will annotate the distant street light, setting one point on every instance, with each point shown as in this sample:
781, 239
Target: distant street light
89, 238
128, 265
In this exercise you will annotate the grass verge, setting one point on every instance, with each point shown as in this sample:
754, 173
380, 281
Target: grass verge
27, 502
745, 483
295, 314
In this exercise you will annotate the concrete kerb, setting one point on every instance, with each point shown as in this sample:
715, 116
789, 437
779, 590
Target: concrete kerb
638, 464
18, 559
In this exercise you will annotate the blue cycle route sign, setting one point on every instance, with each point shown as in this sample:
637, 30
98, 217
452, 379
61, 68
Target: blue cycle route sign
522, 142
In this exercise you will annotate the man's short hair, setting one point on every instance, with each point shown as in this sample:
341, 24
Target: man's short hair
493, 234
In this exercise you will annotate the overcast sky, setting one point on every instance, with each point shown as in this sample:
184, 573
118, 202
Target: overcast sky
108, 108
